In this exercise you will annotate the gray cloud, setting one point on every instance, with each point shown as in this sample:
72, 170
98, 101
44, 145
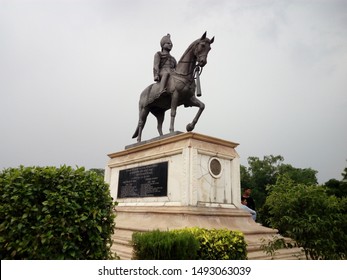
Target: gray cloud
71, 73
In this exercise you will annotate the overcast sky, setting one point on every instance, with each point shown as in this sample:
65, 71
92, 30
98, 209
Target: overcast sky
71, 73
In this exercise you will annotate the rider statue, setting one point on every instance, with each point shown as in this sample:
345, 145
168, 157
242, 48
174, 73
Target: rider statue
164, 63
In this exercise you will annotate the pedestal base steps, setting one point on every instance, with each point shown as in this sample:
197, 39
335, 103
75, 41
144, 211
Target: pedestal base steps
142, 219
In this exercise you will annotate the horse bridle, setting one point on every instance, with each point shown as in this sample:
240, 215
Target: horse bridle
196, 68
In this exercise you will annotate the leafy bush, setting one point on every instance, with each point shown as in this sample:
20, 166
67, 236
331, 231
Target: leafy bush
167, 245
315, 220
54, 213
190, 243
219, 244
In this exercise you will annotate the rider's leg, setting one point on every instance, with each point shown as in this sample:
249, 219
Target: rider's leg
163, 82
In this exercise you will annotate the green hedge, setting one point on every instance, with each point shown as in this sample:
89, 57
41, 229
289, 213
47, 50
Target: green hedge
55, 213
166, 245
220, 244
190, 243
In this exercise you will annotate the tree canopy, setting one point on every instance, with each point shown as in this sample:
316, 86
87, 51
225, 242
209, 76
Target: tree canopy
310, 216
263, 172
338, 187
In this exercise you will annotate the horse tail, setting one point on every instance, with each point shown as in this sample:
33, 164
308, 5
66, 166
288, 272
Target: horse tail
136, 132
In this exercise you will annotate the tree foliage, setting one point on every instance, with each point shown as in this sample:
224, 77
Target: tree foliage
307, 214
263, 172
344, 175
259, 174
338, 187
299, 175
54, 213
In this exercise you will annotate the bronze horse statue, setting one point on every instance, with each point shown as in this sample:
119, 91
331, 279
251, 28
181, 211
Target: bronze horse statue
180, 89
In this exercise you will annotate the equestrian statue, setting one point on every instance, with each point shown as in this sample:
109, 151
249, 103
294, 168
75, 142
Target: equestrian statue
175, 84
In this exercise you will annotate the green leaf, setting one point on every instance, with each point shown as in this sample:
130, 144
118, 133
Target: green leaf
83, 218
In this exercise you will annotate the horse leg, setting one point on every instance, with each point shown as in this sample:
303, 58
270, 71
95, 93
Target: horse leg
142, 121
160, 119
196, 103
174, 102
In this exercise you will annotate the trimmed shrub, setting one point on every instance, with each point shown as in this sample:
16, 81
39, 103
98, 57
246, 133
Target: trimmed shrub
166, 245
55, 213
219, 244
190, 243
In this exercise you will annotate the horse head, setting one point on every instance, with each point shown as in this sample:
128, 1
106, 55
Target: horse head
202, 49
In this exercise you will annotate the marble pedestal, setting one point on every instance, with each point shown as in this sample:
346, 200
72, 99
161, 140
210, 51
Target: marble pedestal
202, 171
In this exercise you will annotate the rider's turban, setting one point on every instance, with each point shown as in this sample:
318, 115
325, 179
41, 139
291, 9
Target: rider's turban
165, 39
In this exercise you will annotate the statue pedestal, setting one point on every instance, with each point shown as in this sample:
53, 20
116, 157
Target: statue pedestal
176, 181
186, 169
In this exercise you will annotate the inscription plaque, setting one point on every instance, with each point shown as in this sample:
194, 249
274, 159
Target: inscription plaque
143, 181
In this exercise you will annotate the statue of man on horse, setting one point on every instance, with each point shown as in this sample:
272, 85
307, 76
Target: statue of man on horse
175, 86
164, 63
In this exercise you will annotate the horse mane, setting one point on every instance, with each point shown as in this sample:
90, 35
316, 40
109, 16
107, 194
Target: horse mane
188, 49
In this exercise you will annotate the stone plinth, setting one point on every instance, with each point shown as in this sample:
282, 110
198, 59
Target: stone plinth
202, 171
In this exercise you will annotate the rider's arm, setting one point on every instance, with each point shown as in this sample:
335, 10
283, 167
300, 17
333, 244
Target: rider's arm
156, 67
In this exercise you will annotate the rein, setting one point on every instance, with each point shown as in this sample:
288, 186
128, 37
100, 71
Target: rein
198, 73
196, 76
195, 71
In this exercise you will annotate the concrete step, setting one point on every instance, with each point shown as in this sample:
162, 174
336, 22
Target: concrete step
124, 254
141, 219
282, 254
122, 246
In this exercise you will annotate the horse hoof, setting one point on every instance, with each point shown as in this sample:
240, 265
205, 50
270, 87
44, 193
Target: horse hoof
190, 127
